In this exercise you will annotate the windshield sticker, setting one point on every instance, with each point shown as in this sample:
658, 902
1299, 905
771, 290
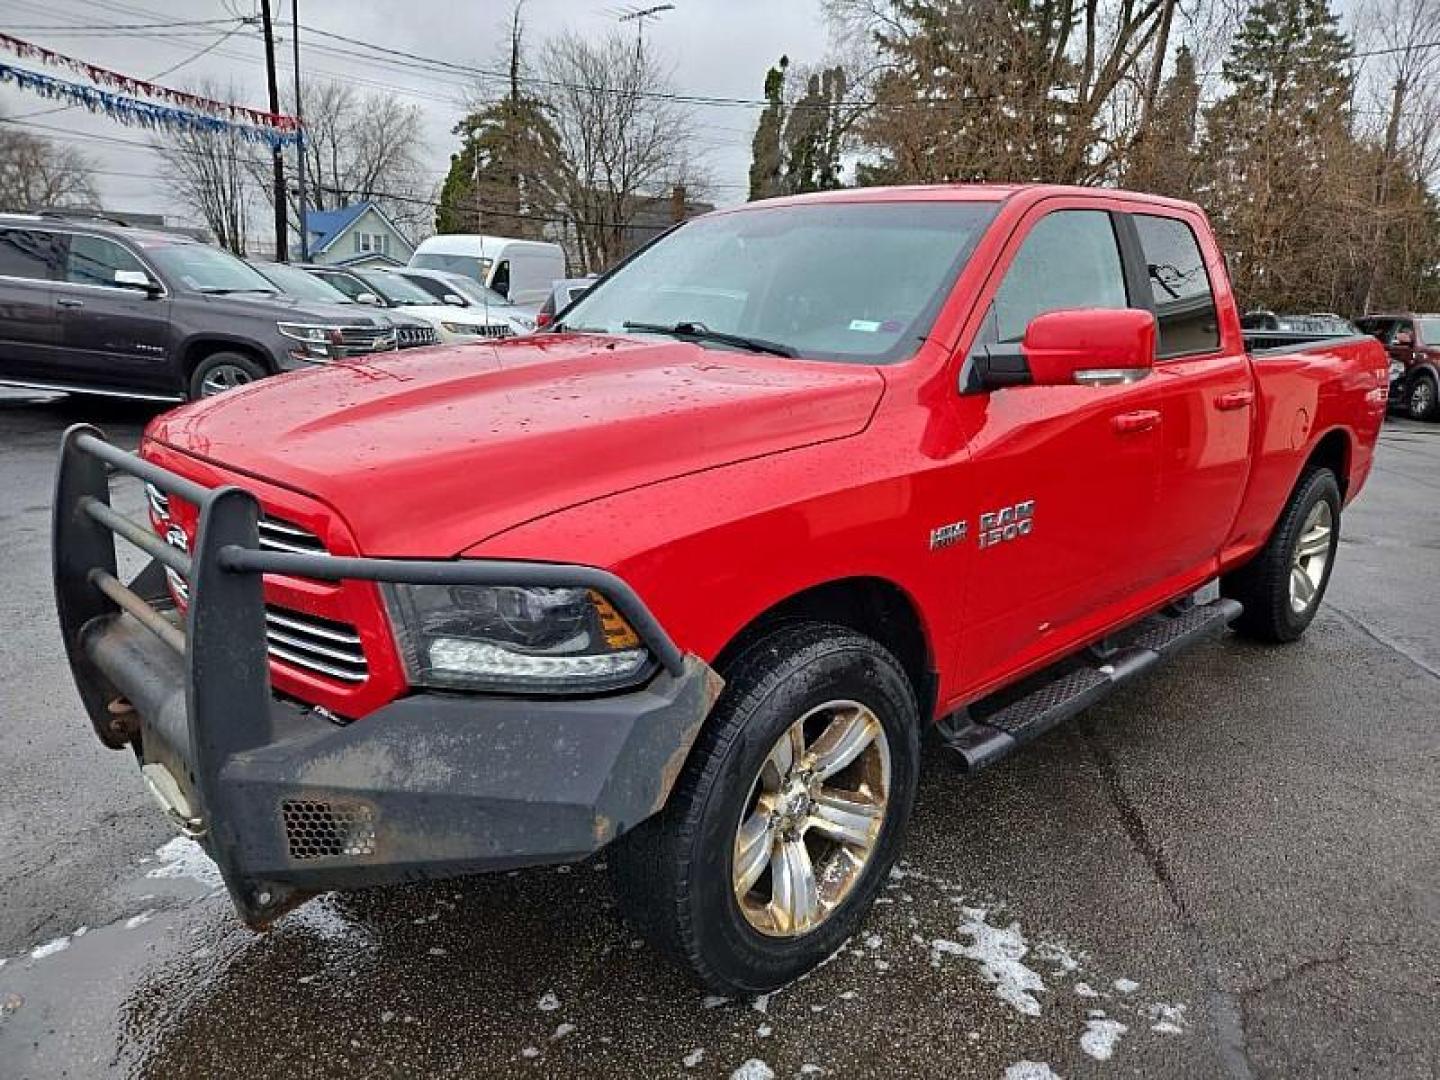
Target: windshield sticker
864, 324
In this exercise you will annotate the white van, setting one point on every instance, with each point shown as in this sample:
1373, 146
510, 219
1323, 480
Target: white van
521, 270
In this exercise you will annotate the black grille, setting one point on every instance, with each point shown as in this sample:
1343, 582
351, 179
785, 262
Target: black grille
319, 645
411, 336
327, 830
494, 330
277, 534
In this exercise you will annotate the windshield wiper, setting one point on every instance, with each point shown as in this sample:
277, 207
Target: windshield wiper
217, 291
695, 331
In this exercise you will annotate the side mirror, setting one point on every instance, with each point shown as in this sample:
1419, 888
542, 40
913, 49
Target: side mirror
368, 298
453, 299
1083, 346
136, 279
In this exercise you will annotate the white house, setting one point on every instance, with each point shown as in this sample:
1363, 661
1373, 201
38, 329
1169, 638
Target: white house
359, 235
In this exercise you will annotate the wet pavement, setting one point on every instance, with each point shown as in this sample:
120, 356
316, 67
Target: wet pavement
1229, 869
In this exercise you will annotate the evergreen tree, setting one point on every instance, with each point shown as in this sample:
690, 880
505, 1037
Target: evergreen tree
813, 133
1278, 150
767, 159
503, 179
1163, 157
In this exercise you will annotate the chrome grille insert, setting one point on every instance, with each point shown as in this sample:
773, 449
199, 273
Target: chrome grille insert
277, 534
306, 641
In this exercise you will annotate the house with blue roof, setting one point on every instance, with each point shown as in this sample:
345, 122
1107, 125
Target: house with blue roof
358, 235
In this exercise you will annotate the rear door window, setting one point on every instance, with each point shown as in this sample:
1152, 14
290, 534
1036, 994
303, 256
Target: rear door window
1179, 287
94, 260
1070, 260
36, 254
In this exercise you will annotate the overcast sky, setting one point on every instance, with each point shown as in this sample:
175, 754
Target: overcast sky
716, 47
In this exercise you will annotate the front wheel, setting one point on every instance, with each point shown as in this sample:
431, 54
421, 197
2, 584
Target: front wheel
1281, 587
1423, 400
222, 371
787, 817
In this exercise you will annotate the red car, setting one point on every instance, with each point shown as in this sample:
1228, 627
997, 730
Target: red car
689, 575
1413, 343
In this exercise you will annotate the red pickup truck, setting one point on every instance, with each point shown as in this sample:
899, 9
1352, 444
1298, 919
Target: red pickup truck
688, 575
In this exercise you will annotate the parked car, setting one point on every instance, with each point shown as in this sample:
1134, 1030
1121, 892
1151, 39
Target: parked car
454, 325
688, 576
1413, 344
461, 291
565, 293
519, 270
95, 307
295, 281
1319, 324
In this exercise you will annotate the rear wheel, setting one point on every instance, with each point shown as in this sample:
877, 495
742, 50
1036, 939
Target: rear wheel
223, 371
1423, 399
1281, 587
787, 816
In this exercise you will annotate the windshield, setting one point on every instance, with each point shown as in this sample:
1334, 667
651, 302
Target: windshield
470, 266
472, 292
1429, 328
207, 269
296, 282
837, 281
395, 289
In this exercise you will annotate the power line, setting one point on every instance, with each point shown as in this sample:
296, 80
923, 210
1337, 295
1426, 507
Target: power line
73, 29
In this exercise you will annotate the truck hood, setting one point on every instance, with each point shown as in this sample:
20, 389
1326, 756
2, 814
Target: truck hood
428, 454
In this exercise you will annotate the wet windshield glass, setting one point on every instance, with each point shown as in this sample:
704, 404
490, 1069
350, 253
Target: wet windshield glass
395, 289
207, 269
296, 282
837, 281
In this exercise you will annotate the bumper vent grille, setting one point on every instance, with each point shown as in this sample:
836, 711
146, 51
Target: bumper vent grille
357, 341
327, 648
328, 830
279, 535
495, 330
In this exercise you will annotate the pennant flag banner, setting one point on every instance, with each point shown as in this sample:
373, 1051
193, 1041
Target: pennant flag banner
136, 113
126, 84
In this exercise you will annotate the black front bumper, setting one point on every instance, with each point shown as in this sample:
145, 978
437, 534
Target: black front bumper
287, 801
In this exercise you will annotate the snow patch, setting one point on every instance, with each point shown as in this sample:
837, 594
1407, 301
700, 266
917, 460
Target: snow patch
754, 1069
1101, 1037
1030, 1070
999, 951
562, 1030
184, 858
714, 1001
694, 1057
139, 920
1085, 990
1126, 986
548, 1002
1168, 1019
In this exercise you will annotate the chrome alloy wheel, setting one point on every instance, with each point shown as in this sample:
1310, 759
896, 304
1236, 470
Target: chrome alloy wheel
1422, 396
812, 819
223, 377
1312, 556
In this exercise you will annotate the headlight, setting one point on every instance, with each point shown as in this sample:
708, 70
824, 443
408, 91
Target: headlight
505, 637
461, 328
318, 340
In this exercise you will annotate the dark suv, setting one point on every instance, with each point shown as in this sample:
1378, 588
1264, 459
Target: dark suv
1413, 342
95, 307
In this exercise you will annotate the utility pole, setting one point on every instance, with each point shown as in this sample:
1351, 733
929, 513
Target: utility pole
300, 143
282, 247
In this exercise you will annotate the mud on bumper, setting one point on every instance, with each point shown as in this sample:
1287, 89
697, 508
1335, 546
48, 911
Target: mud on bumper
287, 801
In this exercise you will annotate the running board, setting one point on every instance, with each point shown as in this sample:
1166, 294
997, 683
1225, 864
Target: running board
995, 727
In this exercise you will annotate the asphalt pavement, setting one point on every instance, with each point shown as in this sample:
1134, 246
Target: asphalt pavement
1229, 869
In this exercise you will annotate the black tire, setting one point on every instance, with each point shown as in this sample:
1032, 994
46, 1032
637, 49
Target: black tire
245, 369
1422, 397
673, 873
1263, 584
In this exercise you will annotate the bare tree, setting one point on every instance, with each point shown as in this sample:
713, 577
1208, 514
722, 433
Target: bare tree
361, 147
212, 173
36, 172
621, 138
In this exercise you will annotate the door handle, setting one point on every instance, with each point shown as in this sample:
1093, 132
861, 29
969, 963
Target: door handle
69, 301
1234, 399
1131, 422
